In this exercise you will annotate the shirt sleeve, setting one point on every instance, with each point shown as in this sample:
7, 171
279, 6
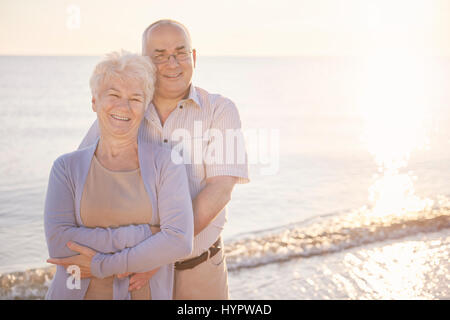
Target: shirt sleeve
226, 154
91, 136
173, 242
61, 227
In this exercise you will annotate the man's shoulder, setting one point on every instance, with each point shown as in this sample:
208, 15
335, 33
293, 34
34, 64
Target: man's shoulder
153, 147
158, 153
213, 100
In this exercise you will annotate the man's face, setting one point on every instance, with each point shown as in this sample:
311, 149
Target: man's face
173, 77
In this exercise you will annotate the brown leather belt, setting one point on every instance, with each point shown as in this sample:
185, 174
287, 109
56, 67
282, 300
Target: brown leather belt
191, 263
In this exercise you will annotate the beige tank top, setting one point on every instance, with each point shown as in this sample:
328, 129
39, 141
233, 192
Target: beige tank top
112, 199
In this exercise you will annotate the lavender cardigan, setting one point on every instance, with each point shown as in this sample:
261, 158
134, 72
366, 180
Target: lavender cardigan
130, 248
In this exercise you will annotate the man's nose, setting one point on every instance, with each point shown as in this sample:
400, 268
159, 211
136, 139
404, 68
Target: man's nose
172, 61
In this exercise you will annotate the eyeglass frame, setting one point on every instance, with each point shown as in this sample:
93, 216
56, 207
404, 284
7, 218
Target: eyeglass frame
174, 55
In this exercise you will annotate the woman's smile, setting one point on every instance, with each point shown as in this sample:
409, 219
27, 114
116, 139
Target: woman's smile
121, 118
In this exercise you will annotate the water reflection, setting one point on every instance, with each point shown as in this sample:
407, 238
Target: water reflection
393, 193
403, 270
394, 105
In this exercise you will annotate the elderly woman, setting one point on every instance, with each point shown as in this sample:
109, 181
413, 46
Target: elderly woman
121, 205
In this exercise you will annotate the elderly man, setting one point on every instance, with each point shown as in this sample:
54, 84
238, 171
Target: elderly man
176, 105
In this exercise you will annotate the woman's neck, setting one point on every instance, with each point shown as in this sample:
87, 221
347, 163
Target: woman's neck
118, 155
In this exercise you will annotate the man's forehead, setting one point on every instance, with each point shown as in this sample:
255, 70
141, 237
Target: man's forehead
167, 37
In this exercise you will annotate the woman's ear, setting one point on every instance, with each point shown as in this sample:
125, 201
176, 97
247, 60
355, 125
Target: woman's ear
94, 108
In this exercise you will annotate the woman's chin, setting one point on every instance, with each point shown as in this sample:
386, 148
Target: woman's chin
122, 132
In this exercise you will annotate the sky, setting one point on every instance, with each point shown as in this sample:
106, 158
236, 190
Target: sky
231, 27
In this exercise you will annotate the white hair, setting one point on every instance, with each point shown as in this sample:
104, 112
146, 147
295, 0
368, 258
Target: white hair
125, 65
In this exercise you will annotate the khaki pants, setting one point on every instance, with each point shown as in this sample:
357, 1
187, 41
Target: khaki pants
207, 281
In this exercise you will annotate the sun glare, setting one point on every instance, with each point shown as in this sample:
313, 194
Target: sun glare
394, 110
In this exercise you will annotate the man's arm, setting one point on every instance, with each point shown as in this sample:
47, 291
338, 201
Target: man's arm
221, 177
211, 200
206, 206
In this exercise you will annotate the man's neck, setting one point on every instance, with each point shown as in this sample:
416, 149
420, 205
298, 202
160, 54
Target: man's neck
165, 105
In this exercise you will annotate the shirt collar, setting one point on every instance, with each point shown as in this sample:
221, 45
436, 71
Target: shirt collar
193, 96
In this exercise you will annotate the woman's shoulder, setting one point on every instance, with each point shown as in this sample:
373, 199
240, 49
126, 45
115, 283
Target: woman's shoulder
70, 159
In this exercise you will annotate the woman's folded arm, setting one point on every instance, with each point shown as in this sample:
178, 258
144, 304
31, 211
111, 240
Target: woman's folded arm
61, 226
175, 240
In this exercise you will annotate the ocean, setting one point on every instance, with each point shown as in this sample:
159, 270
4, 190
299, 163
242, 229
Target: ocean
349, 192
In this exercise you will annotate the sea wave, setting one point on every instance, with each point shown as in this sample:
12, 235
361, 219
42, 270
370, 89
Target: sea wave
29, 284
329, 235
320, 236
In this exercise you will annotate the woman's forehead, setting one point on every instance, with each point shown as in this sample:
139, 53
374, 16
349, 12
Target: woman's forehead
122, 83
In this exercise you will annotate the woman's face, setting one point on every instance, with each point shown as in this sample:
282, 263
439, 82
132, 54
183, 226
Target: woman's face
120, 107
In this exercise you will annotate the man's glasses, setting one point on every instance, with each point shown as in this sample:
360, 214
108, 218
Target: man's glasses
179, 56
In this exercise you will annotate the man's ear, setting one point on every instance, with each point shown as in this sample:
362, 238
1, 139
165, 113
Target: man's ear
94, 108
194, 56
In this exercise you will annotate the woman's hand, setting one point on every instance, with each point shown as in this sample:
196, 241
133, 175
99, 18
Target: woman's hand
83, 260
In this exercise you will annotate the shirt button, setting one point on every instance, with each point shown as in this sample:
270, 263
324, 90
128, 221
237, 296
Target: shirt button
165, 140
181, 107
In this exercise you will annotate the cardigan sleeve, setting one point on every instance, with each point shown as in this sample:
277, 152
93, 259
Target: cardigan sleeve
173, 242
60, 223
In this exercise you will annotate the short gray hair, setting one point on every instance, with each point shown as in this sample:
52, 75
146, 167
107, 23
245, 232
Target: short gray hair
164, 22
125, 65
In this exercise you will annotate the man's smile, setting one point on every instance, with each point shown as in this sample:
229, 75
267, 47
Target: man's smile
173, 76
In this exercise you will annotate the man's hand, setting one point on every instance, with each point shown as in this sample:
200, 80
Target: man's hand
83, 260
138, 280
